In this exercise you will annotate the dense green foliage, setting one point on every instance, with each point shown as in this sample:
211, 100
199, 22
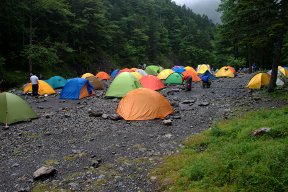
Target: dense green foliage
254, 30
229, 158
70, 37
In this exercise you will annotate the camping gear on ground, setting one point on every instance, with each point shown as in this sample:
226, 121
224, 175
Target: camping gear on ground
209, 74
225, 72
56, 82
188, 83
14, 109
43, 88
77, 88
144, 104
86, 75
164, 74
174, 79
206, 82
95, 82
122, 84
151, 82
103, 75
259, 80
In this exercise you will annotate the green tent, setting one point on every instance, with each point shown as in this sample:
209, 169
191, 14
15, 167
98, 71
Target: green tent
56, 82
153, 69
122, 84
14, 109
174, 78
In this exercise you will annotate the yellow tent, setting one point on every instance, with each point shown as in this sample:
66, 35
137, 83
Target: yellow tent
224, 72
259, 80
137, 75
203, 68
188, 68
87, 75
144, 104
283, 71
165, 73
44, 88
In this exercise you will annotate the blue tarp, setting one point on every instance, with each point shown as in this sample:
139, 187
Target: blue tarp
178, 69
207, 73
114, 73
56, 82
73, 88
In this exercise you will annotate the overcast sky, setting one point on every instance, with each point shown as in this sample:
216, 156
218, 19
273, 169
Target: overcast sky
207, 7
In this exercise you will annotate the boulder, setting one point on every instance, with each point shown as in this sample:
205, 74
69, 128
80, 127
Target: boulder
43, 172
261, 131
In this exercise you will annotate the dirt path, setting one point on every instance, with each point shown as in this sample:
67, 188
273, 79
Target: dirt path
97, 154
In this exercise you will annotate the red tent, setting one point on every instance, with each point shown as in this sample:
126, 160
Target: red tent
151, 82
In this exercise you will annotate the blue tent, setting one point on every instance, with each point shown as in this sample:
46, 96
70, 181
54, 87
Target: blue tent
56, 82
114, 73
77, 88
207, 73
178, 69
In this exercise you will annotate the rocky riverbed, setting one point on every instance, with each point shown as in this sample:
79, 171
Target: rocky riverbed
93, 150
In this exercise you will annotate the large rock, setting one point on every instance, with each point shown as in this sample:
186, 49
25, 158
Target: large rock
261, 131
44, 172
204, 103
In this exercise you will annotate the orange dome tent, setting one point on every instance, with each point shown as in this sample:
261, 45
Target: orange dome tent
103, 75
188, 68
144, 104
194, 75
232, 69
151, 82
44, 88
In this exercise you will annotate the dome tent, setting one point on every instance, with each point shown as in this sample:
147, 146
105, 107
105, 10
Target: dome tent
144, 104
76, 88
151, 82
56, 82
14, 109
43, 89
123, 83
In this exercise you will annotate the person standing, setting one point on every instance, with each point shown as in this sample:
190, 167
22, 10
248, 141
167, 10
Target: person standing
34, 81
188, 82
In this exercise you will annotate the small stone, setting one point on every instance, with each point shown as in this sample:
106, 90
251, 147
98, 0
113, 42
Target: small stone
115, 117
168, 135
6, 127
153, 178
188, 101
177, 117
67, 116
44, 172
95, 113
113, 152
96, 163
105, 116
204, 103
40, 107
15, 165
167, 122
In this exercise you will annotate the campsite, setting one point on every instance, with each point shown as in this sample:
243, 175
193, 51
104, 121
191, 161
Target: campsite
104, 153
143, 96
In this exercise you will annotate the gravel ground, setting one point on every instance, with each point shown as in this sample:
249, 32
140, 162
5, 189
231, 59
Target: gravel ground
102, 154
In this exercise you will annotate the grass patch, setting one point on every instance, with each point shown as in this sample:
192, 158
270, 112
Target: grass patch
48, 187
228, 157
279, 93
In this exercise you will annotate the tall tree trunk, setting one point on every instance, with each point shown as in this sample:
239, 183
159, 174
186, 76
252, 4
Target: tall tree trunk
278, 47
